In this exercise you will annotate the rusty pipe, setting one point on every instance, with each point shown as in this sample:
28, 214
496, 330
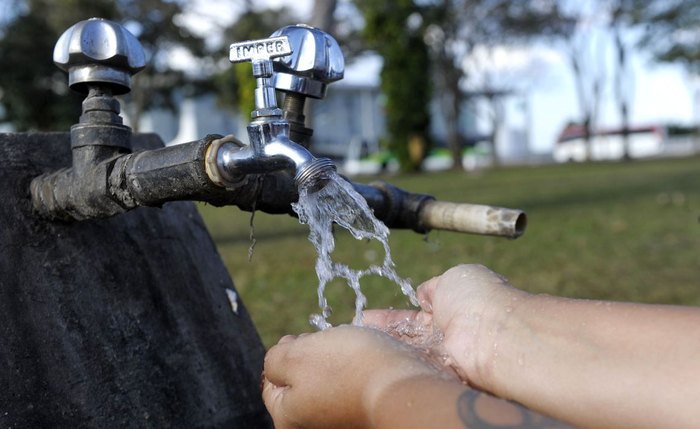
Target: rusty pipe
185, 172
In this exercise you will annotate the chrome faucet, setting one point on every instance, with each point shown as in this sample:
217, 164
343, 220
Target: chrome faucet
106, 179
270, 147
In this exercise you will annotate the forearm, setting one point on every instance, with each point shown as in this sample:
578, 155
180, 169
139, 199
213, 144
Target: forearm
598, 364
425, 402
417, 402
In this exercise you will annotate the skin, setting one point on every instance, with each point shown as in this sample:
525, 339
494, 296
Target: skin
376, 382
589, 363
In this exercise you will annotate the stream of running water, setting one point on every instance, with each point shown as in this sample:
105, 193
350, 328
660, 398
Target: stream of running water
338, 202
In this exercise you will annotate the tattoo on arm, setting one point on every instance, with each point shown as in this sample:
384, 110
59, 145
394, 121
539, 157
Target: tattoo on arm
472, 418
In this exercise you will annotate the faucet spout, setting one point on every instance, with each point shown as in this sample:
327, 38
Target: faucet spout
235, 161
309, 171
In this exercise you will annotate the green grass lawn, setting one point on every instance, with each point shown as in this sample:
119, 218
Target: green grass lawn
623, 231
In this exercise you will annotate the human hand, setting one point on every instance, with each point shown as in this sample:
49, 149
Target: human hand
334, 378
467, 305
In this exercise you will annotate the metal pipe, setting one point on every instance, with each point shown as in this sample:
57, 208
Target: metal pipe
123, 182
185, 172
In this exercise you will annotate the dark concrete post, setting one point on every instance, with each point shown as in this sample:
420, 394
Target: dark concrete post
119, 322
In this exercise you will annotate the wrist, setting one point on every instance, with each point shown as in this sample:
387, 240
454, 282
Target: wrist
501, 324
417, 401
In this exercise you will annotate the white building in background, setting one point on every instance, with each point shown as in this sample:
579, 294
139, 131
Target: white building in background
350, 120
349, 123
196, 118
609, 145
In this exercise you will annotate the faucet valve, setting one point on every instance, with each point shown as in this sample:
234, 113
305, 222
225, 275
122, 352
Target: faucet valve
100, 53
260, 53
270, 149
100, 57
316, 62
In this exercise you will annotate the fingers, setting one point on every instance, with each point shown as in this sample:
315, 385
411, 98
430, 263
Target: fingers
272, 395
473, 273
282, 358
382, 318
275, 363
275, 380
287, 339
276, 401
426, 294
456, 277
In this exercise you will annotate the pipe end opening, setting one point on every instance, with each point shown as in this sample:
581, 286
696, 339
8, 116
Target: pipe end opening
520, 225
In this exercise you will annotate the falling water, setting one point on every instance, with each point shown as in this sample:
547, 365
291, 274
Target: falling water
339, 203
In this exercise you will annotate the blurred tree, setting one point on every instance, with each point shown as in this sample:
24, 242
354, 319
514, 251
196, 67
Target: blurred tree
624, 14
159, 26
33, 91
39, 100
585, 48
672, 31
458, 27
322, 15
395, 30
588, 48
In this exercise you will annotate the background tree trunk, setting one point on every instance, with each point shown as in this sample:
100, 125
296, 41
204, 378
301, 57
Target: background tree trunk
322, 15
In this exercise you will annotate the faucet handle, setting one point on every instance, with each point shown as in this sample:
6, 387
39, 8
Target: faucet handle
100, 53
260, 53
317, 61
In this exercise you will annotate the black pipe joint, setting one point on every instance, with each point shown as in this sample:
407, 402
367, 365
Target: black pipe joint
400, 209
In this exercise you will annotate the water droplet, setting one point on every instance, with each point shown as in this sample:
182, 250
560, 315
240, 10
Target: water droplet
319, 322
327, 312
509, 309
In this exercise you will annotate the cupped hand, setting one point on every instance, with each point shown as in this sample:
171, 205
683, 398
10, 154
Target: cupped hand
331, 379
461, 313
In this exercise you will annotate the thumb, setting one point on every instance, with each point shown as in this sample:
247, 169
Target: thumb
426, 292
273, 397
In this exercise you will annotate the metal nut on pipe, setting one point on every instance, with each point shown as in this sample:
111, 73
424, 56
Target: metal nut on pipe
473, 219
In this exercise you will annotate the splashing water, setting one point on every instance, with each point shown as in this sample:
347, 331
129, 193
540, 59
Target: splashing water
339, 203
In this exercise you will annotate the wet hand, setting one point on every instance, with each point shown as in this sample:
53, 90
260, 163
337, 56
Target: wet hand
465, 305
332, 379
